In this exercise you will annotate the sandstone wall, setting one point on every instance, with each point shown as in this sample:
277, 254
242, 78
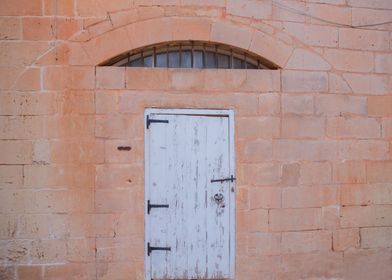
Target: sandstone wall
313, 139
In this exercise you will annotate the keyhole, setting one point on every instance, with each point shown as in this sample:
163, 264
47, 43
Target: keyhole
218, 198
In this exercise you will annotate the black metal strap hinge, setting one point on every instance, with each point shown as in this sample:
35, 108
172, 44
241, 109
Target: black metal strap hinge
149, 121
150, 249
149, 206
231, 179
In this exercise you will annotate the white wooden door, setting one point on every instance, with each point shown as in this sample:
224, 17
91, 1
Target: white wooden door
189, 219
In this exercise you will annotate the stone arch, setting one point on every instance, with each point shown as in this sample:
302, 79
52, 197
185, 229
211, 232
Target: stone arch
165, 29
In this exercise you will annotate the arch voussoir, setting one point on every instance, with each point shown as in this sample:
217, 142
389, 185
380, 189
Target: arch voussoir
165, 29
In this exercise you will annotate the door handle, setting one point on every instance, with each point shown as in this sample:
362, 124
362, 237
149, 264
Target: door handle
231, 179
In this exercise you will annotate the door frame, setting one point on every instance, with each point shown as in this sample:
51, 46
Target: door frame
191, 112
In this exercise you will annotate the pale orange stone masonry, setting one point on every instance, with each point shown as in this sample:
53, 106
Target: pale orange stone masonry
365, 84
10, 28
350, 61
263, 244
113, 155
298, 81
294, 219
305, 150
314, 35
253, 9
349, 172
306, 242
28, 80
278, 51
342, 15
379, 172
363, 39
269, 104
265, 197
286, 15
61, 7
387, 128
366, 194
366, 216
261, 174
18, 103
319, 173
340, 105
259, 128
21, 53
359, 128
118, 176
344, 239
110, 78
337, 84
15, 152
306, 60
383, 63
255, 220
303, 127
376, 237
11, 175
304, 197
311, 265
257, 151
379, 4
380, 106
9, 8
313, 139
360, 264
298, 104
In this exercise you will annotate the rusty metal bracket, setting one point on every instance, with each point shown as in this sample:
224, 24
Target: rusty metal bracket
150, 249
149, 206
149, 121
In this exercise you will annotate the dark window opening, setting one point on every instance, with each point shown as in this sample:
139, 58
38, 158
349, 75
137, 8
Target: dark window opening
191, 54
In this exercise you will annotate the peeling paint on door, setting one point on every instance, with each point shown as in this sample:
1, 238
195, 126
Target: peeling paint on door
194, 236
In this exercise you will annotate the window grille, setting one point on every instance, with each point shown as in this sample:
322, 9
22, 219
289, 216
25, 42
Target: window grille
191, 54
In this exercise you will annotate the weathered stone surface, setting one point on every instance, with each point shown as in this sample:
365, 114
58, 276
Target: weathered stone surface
313, 138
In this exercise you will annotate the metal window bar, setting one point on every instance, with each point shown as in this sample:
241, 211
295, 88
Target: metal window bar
180, 59
231, 61
204, 55
154, 57
216, 57
167, 56
192, 54
245, 64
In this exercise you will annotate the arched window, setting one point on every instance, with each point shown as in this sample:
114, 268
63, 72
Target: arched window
191, 54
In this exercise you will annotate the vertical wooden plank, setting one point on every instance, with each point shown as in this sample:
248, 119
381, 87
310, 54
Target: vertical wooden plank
189, 188
171, 186
233, 191
159, 193
147, 171
173, 198
218, 233
196, 219
180, 182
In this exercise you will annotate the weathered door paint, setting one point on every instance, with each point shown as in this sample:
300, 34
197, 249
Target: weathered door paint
185, 150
